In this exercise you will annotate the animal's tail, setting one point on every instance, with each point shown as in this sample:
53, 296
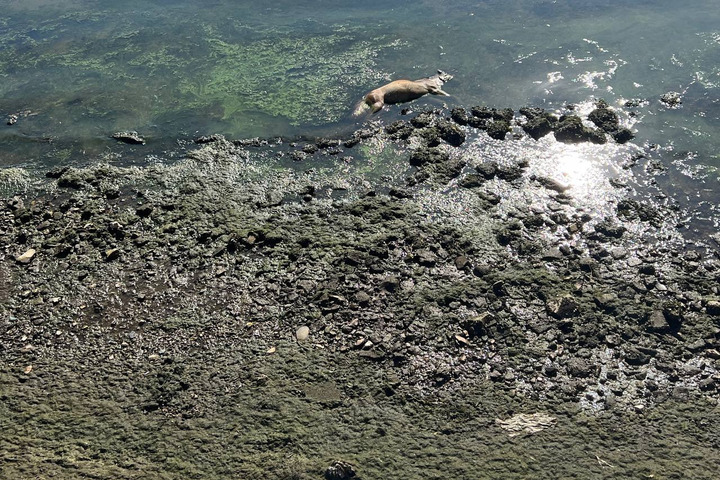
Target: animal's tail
361, 108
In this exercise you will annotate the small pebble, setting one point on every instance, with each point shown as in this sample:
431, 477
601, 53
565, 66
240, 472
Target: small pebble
26, 257
302, 333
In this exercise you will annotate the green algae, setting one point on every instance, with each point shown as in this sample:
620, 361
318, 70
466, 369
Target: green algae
306, 80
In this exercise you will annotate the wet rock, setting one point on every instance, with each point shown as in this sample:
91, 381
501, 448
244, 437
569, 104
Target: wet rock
482, 112
553, 184
145, 210
658, 323
605, 119
580, 367
498, 129
298, 156
610, 229
707, 384
340, 470
570, 129
488, 170
633, 356
538, 127
451, 133
623, 135
424, 156
471, 180
460, 116
446, 171
422, 120
713, 307
205, 139
310, 148
130, 137
636, 210
672, 99
564, 306
325, 143
539, 122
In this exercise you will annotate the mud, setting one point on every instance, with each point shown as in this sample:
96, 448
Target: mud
449, 280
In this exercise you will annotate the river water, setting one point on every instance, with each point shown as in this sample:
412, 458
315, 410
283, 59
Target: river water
75, 71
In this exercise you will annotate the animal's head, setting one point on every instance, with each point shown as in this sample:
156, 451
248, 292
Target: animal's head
361, 108
444, 76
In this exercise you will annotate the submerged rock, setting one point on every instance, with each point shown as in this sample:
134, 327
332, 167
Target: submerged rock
130, 137
672, 99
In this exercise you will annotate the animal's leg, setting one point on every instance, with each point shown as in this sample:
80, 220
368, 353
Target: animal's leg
439, 91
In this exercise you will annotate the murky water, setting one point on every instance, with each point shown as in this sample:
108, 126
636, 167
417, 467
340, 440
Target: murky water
74, 71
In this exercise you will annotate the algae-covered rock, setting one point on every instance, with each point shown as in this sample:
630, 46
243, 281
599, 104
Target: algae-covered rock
570, 129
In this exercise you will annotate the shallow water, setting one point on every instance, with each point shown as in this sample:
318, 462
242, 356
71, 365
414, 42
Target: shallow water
76, 70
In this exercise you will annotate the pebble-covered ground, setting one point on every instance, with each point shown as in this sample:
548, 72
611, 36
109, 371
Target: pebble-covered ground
425, 299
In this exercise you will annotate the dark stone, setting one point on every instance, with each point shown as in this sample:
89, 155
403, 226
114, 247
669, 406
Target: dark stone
488, 170
498, 129
472, 180
509, 172
570, 129
340, 470
426, 258
424, 156
422, 120
538, 127
298, 156
658, 323
57, 172
562, 307
490, 197
310, 148
482, 112
391, 283
605, 119
648, 269
610, 229
208, 139
451, 133
399, 129
623, 135
130, 137
144, 210
460, 116
431, 137
671, 99
633, 356
532, 112
579, 367
707, 384
327, 143
713, 307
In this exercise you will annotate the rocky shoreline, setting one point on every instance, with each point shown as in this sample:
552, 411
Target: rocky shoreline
443, 275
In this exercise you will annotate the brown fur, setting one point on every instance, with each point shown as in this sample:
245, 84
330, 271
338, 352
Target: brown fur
401, 91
